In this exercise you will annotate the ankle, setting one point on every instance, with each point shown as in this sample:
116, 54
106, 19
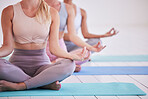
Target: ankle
21, 86
78, 68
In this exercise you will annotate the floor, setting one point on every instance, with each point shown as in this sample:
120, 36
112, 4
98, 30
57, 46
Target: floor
130, 41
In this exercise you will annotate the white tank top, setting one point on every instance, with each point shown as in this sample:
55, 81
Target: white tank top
78, 19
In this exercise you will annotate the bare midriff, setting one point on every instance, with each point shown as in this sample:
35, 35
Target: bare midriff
30, 46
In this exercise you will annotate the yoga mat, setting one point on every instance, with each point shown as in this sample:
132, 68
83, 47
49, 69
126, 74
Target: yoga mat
123, 58
82, 89
126, 58
114, 70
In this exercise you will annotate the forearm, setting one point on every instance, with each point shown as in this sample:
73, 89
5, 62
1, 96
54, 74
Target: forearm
66, 37
88, 36
59, 52
79, 42
108, 34
5, 51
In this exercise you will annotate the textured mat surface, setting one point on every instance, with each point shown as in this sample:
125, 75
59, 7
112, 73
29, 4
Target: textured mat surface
113, 70
82, 89
128, 58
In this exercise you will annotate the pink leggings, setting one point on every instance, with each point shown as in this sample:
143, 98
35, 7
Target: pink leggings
63, 46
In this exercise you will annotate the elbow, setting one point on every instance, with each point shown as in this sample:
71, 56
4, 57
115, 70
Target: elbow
86, 36
7, 50
51, 50
10, 49
71, 37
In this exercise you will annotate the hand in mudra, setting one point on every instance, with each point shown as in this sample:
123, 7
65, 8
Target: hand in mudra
98, 47
80, 54
111, 32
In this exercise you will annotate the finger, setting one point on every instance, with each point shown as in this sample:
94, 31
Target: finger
94, 49
117, 32
101, 48
77, 57
88, 55
83, 53
83, 50
99, 44
111, 30
114, 32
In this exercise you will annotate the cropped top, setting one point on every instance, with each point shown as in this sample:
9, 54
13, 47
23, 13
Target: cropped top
63, 17
27, 29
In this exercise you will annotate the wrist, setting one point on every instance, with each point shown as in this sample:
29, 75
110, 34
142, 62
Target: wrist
104, 35
70, 56
89, 48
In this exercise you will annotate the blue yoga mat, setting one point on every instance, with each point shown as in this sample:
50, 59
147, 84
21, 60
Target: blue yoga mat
127, 58
82, 89
114, 70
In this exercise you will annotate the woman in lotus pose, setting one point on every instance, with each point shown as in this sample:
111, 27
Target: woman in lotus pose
27, 26
80, 22
67, 16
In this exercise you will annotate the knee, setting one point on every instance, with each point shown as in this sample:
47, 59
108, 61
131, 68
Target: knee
2, 71
2, 61
3, 67
68, 67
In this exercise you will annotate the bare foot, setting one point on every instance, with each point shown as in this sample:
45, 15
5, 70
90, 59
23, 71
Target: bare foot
53, 62
53, 86
9, 86
89, 60
78, 68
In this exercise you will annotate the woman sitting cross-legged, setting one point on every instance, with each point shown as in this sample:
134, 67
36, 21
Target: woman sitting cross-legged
27, 26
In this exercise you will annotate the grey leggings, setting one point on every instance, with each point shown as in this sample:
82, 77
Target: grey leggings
34, 69
71, 46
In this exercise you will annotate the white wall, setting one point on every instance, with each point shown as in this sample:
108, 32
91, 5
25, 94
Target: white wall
115, 12
107, 13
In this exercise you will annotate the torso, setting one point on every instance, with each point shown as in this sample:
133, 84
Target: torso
78, 17
30, 45
58, 6
77, 22
63, 13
